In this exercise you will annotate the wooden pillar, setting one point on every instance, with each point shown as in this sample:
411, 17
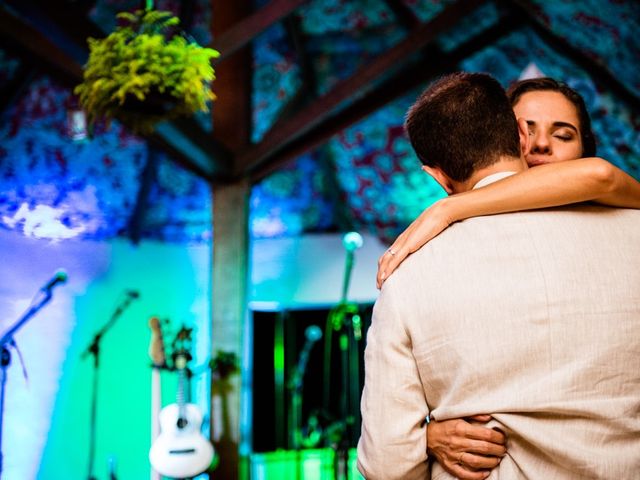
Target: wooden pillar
231, 114
229, 314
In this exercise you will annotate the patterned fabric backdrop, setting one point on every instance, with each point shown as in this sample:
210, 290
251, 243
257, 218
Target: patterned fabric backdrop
365, 178
53, 187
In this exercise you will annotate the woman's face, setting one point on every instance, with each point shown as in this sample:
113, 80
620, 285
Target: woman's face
554, 127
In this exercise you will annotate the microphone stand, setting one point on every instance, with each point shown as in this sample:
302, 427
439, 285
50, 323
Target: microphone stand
5, 354
94, 349
295, 385
338, 322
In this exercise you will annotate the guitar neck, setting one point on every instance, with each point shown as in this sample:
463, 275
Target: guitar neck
182, 395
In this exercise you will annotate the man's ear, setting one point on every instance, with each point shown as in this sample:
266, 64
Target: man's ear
525, 138
440, 177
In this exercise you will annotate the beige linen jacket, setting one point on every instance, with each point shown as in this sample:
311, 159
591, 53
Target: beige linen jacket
532, 317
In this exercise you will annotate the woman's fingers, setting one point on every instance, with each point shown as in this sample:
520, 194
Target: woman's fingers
484, 418
485, 434
429, 224
464, 449
389, 262
484, 448
469, 465
462, 430
395, 254
391, 258
472, 461
459, 471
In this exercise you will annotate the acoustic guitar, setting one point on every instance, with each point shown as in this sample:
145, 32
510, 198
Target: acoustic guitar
181, 450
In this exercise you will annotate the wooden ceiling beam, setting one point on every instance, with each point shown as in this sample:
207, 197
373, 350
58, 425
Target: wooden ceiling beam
197, 150
322, 108
434, 62
297, 38
239, 34
404, 14
71, 17
37, 44
232, 110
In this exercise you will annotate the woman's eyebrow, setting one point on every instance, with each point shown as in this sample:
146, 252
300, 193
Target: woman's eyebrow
565, 124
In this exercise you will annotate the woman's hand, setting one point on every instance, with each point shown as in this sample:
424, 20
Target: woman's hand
428, 225
464, 449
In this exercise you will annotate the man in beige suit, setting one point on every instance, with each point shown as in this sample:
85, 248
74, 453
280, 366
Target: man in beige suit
533, 317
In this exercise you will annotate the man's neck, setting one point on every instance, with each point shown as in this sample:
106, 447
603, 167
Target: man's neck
505, 164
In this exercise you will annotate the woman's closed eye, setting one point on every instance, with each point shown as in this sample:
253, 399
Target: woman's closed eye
565, 136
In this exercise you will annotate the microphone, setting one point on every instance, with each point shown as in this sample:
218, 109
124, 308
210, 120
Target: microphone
132, 293
352, 241
313, 333
59, 277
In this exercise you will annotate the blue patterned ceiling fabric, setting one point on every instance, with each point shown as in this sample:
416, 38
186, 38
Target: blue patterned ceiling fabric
606, 30
366, 177
53, 187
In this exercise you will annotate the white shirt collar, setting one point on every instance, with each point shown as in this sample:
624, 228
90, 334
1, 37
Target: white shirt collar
494, 177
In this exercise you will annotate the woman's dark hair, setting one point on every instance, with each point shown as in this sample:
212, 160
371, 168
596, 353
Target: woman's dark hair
519, 88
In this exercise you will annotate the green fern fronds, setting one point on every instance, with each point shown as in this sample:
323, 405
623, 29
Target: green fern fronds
141, 58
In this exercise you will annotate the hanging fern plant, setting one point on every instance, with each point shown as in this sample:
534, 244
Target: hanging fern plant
144, 73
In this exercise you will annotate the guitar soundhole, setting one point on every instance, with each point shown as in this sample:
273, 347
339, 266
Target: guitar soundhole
182, 422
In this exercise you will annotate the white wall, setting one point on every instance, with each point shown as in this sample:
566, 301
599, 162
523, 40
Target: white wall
309, 271
46, 423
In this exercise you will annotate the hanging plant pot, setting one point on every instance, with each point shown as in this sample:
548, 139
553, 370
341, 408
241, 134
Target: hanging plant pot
144, 72
154, 103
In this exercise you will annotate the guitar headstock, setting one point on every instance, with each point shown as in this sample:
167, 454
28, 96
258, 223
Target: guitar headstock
181, 347
156, 347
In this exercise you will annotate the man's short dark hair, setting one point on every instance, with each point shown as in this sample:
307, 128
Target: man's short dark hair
461, 123
519, 88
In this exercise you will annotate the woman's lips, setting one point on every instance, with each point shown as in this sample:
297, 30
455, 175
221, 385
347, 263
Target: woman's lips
534, 161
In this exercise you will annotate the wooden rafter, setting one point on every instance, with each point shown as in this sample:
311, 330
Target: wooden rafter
298, 40
51, 52
242, 32
232, 110
404, 14
68, 16
318, 111
432, 63
37, 44
186, 14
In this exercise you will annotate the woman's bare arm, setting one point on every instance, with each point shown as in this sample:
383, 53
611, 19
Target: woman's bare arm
550, 185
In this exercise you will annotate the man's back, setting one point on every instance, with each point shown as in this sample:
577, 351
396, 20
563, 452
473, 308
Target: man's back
535, 318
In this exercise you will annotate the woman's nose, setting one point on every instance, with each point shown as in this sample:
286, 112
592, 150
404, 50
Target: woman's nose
540, 143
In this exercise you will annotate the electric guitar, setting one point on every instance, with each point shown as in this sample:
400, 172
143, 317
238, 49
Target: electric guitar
181, 450
158, 362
